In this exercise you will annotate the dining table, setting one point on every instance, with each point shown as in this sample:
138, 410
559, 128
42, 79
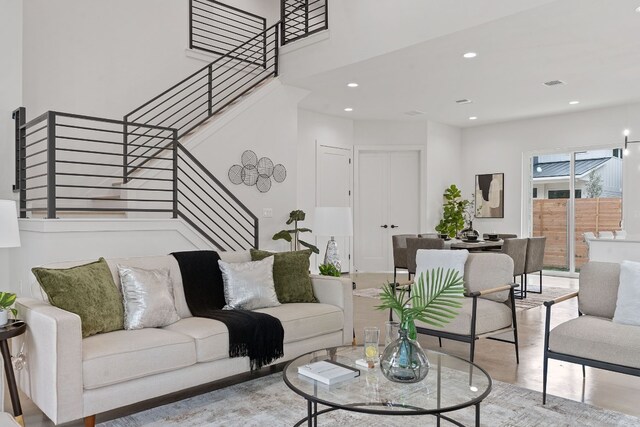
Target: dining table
478, 245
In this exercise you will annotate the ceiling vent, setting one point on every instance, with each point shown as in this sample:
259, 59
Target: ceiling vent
414, 113
554, 83
464, 101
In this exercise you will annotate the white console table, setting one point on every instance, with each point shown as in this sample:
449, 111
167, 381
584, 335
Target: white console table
615, 250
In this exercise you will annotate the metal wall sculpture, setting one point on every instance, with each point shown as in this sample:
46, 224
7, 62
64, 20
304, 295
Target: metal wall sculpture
257, 171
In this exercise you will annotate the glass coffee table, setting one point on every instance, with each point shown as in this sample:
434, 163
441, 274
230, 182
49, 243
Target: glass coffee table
452, 383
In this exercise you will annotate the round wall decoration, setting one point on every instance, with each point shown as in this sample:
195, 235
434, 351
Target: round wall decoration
259, 172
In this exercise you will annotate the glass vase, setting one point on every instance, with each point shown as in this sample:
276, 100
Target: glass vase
404, 361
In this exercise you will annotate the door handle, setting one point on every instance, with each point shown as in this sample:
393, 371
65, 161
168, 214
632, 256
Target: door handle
384, 226
395, 226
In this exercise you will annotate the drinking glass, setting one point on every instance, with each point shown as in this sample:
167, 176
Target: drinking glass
371, 341
392, 332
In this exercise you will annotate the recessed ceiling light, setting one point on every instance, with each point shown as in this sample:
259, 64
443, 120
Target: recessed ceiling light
348, 109
352, 84
464, 101
638, 9
470, 55
574, 102
554, 83
473, 118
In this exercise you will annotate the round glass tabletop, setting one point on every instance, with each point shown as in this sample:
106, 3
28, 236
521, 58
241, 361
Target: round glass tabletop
452, 383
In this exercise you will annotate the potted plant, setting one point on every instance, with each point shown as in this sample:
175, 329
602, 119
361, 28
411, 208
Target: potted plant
329, 270
292, 235
432, 299
6, 302
454, 210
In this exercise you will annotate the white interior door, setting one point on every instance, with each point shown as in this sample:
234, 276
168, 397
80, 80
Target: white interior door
388, 203
333, 182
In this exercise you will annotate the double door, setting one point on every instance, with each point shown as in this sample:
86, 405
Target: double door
387, 203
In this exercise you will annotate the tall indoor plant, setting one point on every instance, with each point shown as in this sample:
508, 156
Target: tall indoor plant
432, 299
293, 235
453, 212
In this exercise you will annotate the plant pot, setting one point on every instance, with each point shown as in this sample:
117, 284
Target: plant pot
4, 317
404, 361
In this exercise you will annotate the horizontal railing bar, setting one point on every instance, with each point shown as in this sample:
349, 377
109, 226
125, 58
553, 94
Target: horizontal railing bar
111, 165
244, 26
99, 187
258, 51
35, 165
218, 41
204, 224
36, 187
35, 154
115, 199
239, 88
35, 199
106, 153
119, 132
35, 121
243, 13
36, 176
59, 208
113, 121
208, 24
214, 200
206, 67
91, 175
211, 219
101, 141
35, 142
222, 187
200, 230
35, 131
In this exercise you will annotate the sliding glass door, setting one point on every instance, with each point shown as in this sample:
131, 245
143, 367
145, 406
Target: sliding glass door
574, 195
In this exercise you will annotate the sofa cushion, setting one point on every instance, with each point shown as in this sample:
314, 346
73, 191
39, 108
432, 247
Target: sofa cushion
126, 355
87, 290
211, 337
597, 338
306, 320
491, 316
290, 274
486, 271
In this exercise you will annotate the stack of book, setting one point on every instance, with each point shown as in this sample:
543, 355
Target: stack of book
328, 372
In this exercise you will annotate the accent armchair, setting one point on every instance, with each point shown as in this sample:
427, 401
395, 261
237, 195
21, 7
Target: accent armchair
593, 339
488, 307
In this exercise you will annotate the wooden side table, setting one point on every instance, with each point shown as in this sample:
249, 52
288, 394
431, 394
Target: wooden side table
10, 330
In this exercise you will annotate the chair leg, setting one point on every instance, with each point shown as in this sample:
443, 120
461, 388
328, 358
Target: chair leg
515, 325
440, 341
545, 367
394, 276
584, 373
472, 345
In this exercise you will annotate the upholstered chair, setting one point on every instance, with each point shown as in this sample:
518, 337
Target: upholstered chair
517, 250
416, 243
488, 308
399, 244
534, 261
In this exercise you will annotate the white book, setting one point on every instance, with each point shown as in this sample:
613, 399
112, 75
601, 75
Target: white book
328, 372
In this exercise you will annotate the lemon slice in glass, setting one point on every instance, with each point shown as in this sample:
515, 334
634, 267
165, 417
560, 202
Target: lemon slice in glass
371, 351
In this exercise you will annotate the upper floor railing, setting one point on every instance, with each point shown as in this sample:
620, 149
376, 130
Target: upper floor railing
301, 18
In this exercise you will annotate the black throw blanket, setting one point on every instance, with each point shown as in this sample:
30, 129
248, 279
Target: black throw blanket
252, 334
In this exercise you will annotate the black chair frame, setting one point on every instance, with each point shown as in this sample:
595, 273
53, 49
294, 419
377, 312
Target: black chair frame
548, 354
472, 337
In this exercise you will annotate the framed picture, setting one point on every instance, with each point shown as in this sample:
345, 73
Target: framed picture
489, 195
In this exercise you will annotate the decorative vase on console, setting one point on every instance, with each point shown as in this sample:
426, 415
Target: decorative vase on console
432, 300
469, 231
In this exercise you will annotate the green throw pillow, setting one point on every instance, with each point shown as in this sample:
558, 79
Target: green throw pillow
290, 274
88, 291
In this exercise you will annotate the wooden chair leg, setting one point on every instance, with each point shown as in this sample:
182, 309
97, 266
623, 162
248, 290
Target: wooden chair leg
90, 421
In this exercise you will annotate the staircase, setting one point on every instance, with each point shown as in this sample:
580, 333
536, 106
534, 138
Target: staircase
70, 165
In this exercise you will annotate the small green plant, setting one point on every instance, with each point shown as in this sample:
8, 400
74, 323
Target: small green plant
6, 301
293, 235
329, 270
454, 210
435, 296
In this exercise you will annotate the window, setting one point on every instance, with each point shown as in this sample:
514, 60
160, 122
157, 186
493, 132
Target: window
535, 193
563, 194
617, 152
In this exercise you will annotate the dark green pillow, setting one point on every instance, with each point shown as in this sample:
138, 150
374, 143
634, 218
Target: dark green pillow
88, 291
290, 275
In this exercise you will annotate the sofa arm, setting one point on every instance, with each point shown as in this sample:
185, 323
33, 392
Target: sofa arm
337, 291
52, 377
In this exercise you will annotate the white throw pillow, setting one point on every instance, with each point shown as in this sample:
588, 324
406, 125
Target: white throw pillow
628, 304
148, 298
428, 259
249, 285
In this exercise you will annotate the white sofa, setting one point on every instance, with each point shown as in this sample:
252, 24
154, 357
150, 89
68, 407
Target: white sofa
69, 377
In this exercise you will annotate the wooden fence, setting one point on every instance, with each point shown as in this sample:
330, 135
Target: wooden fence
550, 218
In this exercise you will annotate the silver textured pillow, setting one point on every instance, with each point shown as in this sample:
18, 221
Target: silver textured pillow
249, 285
148, 298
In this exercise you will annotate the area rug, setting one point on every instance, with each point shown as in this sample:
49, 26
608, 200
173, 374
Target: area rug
267, 402
532, 300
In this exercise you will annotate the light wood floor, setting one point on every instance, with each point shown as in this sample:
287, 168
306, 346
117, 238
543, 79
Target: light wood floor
600, 388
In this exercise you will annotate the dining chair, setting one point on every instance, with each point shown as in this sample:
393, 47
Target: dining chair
399, 245
488, 307
535, 260
517, 250
416, 243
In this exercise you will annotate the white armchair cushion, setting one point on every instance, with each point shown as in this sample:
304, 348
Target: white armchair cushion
628, 303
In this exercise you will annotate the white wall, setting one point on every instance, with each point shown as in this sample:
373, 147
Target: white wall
106, 58
500, 148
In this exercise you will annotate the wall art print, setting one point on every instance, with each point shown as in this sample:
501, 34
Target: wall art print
489, 195
258, 172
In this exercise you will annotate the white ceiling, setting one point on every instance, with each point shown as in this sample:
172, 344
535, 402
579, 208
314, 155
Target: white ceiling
592, 45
